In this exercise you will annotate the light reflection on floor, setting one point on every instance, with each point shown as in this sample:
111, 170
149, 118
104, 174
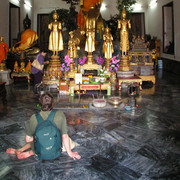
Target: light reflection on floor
114, 143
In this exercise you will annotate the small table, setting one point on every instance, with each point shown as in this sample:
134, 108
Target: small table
98, 86
132, 79
3, 92
149, 78
21, 74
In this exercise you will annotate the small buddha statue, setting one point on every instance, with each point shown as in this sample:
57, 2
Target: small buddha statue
73, 45
22, 66
3, 53
107, 44
16, 67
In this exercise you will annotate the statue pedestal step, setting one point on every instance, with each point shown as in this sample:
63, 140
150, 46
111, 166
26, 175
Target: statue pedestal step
5, 77
125, 73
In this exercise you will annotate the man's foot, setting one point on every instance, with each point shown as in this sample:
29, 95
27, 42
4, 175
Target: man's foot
11, 151
24, 155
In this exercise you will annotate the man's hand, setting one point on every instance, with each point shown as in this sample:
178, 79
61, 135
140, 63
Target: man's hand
74, 155
29, 139
66, 142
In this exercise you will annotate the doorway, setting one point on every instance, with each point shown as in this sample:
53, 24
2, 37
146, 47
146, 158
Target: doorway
43, 31
14, 24
137, 24
168, 28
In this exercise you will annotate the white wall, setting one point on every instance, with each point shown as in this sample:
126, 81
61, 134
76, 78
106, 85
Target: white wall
154, 25
4, 20
46, 7
110, 10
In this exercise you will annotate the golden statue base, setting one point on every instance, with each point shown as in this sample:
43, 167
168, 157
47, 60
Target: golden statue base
124, 64
50, 81
91, 66
107, 61
54, 64
151, 78
53, 73
3, 67
71, 74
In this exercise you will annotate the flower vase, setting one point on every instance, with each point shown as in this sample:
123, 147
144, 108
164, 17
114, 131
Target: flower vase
81, 70
65, 76
113, 81
102, 79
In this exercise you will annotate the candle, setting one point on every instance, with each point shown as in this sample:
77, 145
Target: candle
72, 91
108, 90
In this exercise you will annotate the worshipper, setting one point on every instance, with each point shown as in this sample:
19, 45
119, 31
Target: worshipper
38, 74
46, 100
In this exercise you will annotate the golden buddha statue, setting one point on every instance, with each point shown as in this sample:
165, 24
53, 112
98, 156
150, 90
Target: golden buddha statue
124, 24
107, 44
107, 47
72, 48
3, 53
91, 16
55, 38
52, 73
73, 45
22, 66
16, 67
28, 40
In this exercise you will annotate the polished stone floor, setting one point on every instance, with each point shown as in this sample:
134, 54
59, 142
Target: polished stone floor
114, 143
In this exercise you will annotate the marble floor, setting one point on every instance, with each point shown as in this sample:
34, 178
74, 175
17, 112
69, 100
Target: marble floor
114, 143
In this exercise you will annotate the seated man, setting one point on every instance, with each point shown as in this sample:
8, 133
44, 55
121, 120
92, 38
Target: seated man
46, 101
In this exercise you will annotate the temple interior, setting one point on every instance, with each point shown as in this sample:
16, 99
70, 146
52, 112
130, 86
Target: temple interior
113, 70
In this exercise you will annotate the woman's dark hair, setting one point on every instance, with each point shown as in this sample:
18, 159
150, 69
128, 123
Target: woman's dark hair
46, 101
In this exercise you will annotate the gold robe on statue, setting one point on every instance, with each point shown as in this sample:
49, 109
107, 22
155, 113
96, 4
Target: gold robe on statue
90, 41
108, 45
124, 37
55, 38
28, 37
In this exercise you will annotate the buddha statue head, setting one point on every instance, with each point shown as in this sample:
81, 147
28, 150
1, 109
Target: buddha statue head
1, 39
55, 15
27, 22
123, 14
107, 30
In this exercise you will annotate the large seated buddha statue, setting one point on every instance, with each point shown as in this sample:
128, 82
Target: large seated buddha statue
27, 41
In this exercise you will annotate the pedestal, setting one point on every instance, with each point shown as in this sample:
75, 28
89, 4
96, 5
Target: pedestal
130, 80
52, 74
21, 74
54, 64
124, 64
125, 74
5, 77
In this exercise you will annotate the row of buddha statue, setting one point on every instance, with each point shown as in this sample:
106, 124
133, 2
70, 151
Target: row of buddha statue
87, 19
87, 25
